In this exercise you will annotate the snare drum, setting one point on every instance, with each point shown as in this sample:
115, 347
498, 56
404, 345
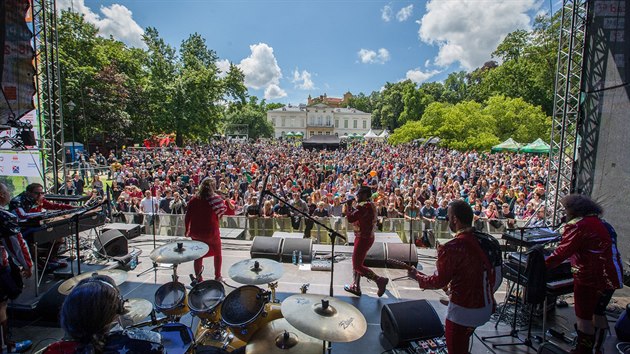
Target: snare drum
205, 300
171, 299
176, 338
247, 309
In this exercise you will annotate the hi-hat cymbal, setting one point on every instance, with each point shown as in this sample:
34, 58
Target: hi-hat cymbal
136, 310
179, 252
118, 275
324, 317
256, 271
279, 337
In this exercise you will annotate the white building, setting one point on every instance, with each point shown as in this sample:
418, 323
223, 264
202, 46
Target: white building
319, 119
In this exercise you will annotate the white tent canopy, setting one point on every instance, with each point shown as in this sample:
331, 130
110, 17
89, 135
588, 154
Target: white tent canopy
384, 134
370, 135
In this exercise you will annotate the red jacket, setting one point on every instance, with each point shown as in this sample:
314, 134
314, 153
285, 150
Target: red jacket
364, 219
201, 220
595, 261
461, 262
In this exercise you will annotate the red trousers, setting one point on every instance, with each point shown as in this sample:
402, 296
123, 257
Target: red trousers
214, 245
361, 248
457, 337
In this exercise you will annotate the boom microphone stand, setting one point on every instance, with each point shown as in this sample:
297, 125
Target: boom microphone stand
155, 267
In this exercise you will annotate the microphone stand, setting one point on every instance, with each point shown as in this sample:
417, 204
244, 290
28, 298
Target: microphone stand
75, 219
155, 267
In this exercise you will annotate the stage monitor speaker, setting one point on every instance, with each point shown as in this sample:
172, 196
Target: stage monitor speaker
111, 243
400, 252
266, 247
128, 230
402, 322
304, 245
376, 256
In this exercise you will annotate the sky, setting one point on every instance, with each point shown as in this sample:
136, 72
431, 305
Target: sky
290, 49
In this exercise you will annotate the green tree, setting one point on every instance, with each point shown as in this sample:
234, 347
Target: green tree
518, 119
254, 115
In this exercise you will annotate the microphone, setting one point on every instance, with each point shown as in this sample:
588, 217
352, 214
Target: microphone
262, 194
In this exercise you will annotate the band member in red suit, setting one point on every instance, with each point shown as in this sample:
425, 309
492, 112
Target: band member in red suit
32, 201
202, 224
363, 217
13, 253
463, 265
591, 243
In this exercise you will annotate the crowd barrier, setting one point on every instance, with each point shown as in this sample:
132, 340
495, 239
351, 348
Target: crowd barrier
173, 225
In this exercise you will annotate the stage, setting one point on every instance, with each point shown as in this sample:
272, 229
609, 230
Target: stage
42, 331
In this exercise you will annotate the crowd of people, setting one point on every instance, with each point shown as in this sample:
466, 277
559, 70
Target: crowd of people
407, 181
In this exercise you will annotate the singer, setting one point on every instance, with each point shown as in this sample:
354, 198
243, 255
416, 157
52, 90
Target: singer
202, 224
363, 217
591, 243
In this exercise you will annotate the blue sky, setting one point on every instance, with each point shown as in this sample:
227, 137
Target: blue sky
289, 49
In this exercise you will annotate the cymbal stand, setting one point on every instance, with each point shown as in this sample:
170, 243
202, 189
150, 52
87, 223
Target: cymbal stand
155, 266
273, 286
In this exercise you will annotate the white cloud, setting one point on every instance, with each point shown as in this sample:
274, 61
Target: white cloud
386, 13
418, 76
274, 91
368, 56
224, 66
404, 13
467, 31
261, 68
302, 80
427, 62
115, 20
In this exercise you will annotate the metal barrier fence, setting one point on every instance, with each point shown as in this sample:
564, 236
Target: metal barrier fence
173, 225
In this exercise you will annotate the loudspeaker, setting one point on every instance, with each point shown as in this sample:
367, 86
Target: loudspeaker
402, 322
304, 245
111, 243
128, 230
400, 252
376, 256
50, 303
266, 247
28, 137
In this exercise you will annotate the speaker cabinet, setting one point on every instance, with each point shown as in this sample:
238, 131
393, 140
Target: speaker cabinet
376, 256
304, 245
402, 322
128, 230
266, 247
111, 243
401, 252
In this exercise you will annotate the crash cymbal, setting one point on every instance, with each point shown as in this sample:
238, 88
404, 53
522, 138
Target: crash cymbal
118, 275
324, 317
179, 252
256, 271
136, 310
279, 337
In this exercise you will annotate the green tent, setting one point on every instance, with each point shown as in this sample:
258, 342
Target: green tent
508, 145
299, 134
289, 134
536, 147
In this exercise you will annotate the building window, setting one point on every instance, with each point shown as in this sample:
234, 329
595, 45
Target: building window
364, 124
345, 123
283, 121
328, 122
312, 133
336, 123
327, 133
273, 121
319, 133
354, 124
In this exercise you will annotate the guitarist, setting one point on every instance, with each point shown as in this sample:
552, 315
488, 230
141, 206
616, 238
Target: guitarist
463, 265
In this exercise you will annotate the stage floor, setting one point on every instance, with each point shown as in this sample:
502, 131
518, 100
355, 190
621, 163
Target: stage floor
562, 319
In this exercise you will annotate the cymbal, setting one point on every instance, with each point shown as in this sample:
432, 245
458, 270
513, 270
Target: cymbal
118, 275
256, 271
271, 339
179, 252
324, 317
136, 310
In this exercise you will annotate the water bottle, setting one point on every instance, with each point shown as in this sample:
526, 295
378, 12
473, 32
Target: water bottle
294, 259
134, 262
300, 258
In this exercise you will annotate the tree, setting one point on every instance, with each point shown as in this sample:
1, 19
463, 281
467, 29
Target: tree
362, 102
254, 115
518, 119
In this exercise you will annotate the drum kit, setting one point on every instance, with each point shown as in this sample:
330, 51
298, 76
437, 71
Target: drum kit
249, 318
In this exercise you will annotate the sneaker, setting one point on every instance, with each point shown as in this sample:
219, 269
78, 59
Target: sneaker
219, 279
20, 347
352, 289
381, 282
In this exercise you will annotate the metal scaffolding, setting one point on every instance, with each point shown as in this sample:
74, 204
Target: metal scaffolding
48, 83
567, 107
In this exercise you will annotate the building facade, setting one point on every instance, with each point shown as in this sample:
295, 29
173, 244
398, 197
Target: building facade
318, 119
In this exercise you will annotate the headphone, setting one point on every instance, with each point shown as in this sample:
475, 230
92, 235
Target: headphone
120, 309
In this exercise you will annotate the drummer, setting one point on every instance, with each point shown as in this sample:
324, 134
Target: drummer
89, 331
202, 224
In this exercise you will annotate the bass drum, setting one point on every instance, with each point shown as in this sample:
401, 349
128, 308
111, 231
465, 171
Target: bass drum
205, 300
246, 309
171, 299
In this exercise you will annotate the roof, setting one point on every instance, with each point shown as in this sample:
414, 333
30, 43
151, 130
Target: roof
323, 139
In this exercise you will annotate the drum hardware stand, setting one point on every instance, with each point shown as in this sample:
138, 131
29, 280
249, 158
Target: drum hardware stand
514, 332
155, 266
273, 286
